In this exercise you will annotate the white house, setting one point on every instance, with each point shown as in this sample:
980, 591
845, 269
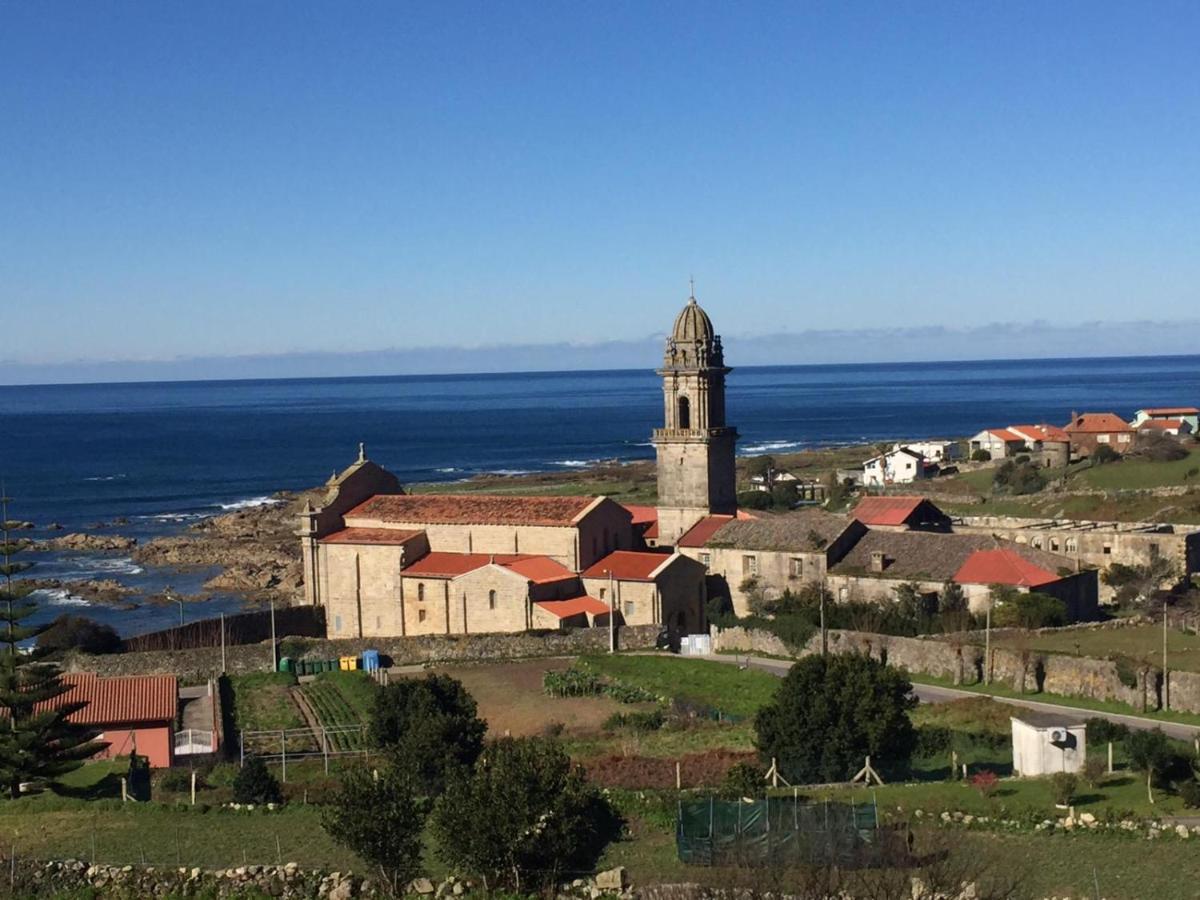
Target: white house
933, 451
899, 466
1045, 743
1188, 414
999, 442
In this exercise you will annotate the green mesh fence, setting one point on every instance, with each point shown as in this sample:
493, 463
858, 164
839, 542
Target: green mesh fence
777, 831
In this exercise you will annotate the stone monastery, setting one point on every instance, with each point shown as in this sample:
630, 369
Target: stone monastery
385, 563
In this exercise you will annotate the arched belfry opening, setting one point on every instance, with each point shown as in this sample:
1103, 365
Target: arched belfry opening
684, 415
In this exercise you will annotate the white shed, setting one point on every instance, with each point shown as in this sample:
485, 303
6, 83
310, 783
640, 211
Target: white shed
1044, 743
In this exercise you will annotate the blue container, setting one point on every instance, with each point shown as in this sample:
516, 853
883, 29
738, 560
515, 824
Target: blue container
370, 660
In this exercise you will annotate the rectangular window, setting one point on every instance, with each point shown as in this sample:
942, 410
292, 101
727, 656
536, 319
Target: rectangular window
1107, 549
796, 566
630, 608
749, 566
420, 615
379, 623
1122, 439
1054, 544
706, 559
337, 623
1102, 439
603, 592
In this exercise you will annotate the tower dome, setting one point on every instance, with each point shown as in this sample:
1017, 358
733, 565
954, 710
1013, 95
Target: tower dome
692, 325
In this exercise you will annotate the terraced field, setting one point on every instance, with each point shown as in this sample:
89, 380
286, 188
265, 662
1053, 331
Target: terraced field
338, 709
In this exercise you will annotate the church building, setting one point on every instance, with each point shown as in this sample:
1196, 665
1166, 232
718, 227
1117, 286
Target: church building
385, 563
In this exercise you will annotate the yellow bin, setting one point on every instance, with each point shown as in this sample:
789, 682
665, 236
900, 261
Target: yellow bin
348, 663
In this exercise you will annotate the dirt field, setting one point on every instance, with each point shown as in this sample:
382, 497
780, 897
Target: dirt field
510, 698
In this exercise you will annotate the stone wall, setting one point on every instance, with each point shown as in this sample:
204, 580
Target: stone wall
961, 662
196, 666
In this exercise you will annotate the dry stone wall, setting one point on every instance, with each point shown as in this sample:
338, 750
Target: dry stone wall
195, 666
962, 662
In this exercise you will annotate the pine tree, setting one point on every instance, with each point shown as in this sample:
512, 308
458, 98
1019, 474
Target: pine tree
36, 743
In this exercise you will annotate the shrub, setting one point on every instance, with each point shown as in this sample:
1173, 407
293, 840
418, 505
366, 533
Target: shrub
1018, 476
985, 782
180, 780
1104, 454
255, 783
1158, 448
635, 721
981, 456
522, 816
380, 820
754, 500
1102, 731
934, 740
1064, 786
744, 780
829, 713
429, 725
79, 633
1189, 793
1031, 610
1095, 770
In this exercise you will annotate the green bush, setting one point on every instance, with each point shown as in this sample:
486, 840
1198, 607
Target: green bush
1102, 731
754, 500
1095, 770
255, 783
1018, 477
1189, 793
79, 633
1104, 454
1064, 786
635, 721
1031, 610
744, 780
981, 456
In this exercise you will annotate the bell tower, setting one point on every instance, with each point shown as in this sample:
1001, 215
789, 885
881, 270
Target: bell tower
695, 447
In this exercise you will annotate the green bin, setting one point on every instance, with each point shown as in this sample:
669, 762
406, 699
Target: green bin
286, 664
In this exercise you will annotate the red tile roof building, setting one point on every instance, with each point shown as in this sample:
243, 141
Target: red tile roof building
899, 512
1091, 430
134, 713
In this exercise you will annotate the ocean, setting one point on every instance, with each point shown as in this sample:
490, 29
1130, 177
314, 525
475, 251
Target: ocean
161, 455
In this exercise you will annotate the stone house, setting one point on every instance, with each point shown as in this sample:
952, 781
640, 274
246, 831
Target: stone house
1090, 430
650, 588
778, 553
881, 561
1096, 544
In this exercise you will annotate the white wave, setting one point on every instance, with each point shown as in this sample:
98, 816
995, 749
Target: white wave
448, 470
510, 472
60, 597
251, 503
640, 443
117, 477
91, 566
769, 446
173, 516
576, 463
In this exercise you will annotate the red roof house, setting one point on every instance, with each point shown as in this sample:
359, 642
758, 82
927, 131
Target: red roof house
900, 513
1090, 430
1003, 566
134, 713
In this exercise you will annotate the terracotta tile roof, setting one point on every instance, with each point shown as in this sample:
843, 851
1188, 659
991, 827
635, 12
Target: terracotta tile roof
1171, 411
1004, 434
806, 530
119, 700
1097, 423
886, 510
1160, 424
1002, 566
651, 532
564, 609
370, 536
933, 556
627, 565
472, 509
698, 534
642, 515
444, 564
1040, 433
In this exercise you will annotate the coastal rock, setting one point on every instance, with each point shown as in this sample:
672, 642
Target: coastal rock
14, 525
106, 591
89, 542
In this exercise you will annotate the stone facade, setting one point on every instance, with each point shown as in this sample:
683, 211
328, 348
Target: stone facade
673, 595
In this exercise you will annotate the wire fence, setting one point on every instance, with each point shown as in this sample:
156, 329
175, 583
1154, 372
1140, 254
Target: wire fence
296, 744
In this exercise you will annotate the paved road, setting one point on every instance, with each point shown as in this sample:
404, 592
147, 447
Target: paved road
928, 693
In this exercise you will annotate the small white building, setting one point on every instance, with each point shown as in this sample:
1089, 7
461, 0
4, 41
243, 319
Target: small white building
899, 466
1188, 414
998, 442
1045, 743
933, 451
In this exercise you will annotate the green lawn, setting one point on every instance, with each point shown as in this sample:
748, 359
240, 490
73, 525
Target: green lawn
262, 702
733, 691
1144, 642
1137, 474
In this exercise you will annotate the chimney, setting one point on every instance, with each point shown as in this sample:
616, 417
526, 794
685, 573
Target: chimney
877, 560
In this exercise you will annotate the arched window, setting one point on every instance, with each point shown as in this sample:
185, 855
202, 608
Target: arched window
420, 592
1072, 545
685, 413
491, 599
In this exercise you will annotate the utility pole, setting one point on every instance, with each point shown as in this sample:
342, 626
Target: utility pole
824, 633
612, 615
1166, 690
987, 643
274, 661
223, 643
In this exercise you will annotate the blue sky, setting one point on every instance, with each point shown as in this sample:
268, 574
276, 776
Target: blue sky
207, 179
